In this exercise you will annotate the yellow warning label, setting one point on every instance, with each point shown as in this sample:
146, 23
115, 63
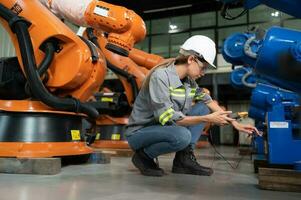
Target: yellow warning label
97, 136
115, 136
75, 134
106, 99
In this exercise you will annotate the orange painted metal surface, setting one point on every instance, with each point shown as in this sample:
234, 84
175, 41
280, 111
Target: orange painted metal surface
124, 26
72, 71
137, 64
144, 59
108, 120
125, 64
38, 149
30, 106
110, 144
43, 149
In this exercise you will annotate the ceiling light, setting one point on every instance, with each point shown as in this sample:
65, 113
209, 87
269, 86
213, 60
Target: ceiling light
275, 14
173, 27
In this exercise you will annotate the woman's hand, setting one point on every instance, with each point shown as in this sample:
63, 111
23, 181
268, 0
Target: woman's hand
246, 128
220, 118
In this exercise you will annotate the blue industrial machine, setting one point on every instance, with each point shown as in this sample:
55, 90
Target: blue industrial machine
291, 7
275, 101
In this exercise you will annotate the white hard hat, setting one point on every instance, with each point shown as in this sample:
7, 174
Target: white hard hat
201, 46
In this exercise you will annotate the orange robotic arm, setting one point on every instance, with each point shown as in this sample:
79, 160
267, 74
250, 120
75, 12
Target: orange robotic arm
40, 37
144, 59
131, 70
124, 26
128, 72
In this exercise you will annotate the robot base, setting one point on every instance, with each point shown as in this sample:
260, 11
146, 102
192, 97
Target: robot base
110, 133
29, 129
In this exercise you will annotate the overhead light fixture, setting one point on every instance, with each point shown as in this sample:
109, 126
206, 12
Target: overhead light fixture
275, 14
168, 8
173, 27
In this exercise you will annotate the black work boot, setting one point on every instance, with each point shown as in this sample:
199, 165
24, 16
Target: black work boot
146, 165
185, 163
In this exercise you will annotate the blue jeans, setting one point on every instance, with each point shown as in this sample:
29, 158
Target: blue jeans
157, 139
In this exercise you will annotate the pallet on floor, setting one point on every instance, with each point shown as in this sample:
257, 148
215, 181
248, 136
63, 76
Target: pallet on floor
49, 166
263, 163
279, 179
43, 166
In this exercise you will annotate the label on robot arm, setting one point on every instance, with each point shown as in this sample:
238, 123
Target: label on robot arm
106, 99
75, 135
278, 124
115, 136
108, 94
102, 11
97, 136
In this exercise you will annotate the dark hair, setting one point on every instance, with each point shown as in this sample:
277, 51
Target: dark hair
180, 59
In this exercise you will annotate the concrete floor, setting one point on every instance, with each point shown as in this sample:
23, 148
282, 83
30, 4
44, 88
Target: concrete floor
121, 181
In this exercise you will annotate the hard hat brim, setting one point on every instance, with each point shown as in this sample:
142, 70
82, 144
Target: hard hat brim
200, 57
211, 64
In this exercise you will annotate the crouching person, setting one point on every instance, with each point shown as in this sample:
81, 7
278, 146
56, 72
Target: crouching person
164, 118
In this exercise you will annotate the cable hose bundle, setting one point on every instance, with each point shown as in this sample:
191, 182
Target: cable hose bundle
20, 27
